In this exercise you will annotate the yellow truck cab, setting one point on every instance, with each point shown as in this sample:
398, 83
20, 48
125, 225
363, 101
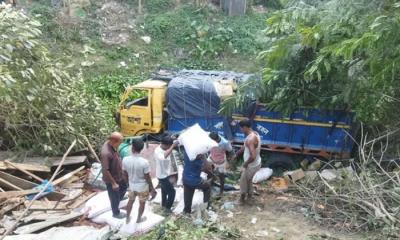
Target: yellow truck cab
141, 109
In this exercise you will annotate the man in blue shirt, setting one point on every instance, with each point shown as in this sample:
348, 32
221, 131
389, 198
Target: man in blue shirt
191, 181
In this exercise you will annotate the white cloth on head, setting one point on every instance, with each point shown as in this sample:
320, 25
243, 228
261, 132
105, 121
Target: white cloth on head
136, 167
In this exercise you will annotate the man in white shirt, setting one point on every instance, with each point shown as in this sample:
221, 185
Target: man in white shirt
137, 170
166, 171
218, 157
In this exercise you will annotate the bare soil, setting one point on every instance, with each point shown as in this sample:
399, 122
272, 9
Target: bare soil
276, 216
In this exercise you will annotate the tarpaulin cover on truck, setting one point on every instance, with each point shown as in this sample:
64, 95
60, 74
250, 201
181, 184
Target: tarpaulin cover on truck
192, 93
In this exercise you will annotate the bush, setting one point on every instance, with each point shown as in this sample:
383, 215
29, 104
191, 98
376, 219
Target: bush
42, 108
158, 6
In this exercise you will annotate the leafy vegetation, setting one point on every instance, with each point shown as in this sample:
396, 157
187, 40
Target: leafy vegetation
42, 107
183, 229
334, 55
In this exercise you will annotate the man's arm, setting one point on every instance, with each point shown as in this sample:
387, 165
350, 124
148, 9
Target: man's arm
170, 149
253, 151
105, 166
151, 188
240, 151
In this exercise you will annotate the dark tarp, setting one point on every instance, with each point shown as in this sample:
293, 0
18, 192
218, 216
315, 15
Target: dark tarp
191, 93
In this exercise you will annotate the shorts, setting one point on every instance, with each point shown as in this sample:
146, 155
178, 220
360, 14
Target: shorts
143, 196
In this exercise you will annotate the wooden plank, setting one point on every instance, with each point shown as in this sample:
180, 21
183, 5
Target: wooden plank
25, 184
44, 206
11, 194
10, 185
73, 185
35, 227
22, 169
10, 206
40, 216
83, 200
67, 176
71, 160
19, 182
29, 167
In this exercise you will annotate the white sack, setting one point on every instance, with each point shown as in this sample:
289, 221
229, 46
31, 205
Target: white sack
262, 175
96, 176
132, 228
196, 141
99, 204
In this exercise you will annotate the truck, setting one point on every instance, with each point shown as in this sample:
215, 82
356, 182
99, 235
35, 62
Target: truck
171, 102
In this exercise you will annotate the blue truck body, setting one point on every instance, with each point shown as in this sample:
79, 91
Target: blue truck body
327, 134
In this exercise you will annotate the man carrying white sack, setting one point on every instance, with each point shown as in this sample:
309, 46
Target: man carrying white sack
251, 157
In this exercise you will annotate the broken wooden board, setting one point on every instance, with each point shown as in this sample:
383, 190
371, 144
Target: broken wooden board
81, 201
9, 205
71, 160
45, 206
40, 216
27, 185
73, 233
19, 182
9, 185
28, 167
11, 194
35, 227
55, 161
78, 185
67, 176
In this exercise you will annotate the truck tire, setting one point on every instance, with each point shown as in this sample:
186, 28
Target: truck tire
281, 162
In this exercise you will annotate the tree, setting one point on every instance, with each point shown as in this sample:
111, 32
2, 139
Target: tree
335, 54
42, 107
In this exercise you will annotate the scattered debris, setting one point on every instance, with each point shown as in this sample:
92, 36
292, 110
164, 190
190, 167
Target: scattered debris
279, 184
310, 175
314, 166
329, 174
262, 234
52, 203
294, 176
254, 220
228, 206
117, 22
275, 229
146, 39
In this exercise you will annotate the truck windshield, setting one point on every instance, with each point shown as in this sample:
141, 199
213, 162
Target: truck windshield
137, 97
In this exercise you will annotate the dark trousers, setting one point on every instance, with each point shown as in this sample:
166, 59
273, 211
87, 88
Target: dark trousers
188, 192
116, 196
167, 193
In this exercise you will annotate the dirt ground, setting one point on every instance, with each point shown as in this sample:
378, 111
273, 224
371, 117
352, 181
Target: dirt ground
275, 216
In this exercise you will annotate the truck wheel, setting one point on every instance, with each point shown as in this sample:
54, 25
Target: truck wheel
281, 162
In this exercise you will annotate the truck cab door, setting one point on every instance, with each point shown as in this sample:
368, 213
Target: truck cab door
135, 112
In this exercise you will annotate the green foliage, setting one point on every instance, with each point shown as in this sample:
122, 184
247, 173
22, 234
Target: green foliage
334, 55
205, 36
109, 87
184, 230
42, 107
158, 6
56, 25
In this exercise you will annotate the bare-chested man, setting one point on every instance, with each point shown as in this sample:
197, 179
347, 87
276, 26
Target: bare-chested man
251, 157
